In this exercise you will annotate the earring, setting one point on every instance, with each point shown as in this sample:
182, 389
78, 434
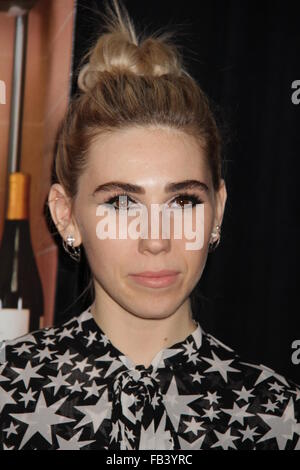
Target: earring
216, 239
73, 251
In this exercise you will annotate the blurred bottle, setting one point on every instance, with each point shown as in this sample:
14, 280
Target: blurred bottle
21, 294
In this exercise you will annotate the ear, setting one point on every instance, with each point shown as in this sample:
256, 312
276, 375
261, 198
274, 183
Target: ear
60, 206
221, 197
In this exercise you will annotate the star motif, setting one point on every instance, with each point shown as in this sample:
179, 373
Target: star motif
266, 373
65, 334
217, 365
125, 444
283, 427
27, 374
212, 341
248, 433
114, 432
49, 331
6, 398
155, 400
65, 358
91, 338
43, 354
82, 365
237, 413
297, 392
225, 440
149, 380
177, 405
48, 341
41, 420
114, 363
24, 348
97, 413
195, 445
197, 377
28, 396
211, 414
216, 342
280, 397
212, 397
189, 349
93, 373
193, 426
270, 406
57, 381
84, 317
151, 438
275, 386
244, 394
190, 402
193, 358
11, 430
78, 329
104, 339
93, 390
130, 434
76, 387
139, 414
73, 443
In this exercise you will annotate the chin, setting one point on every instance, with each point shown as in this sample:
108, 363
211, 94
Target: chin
149, 310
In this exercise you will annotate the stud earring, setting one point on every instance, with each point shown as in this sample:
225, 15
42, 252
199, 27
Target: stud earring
73, 251
215, 239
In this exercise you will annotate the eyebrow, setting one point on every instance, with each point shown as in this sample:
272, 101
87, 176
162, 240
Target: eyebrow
133, 188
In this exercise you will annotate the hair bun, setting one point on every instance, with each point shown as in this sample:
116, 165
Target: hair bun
120, 50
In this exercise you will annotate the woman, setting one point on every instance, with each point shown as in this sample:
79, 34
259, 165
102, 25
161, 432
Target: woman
135, 370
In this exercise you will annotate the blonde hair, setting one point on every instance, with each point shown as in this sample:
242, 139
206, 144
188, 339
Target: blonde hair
128, 81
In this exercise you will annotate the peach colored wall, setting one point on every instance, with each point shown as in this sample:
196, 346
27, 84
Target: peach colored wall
6, 58
47, 83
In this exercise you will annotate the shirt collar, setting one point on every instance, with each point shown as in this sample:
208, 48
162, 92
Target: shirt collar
182, 352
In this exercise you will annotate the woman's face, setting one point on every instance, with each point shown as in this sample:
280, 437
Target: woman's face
150, 158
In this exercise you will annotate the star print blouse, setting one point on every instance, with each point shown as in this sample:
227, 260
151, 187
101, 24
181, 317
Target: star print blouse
69, 387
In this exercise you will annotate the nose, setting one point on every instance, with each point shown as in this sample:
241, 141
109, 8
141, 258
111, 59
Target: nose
153, 238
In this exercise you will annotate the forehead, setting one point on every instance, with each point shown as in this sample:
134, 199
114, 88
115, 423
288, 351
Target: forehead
152, 155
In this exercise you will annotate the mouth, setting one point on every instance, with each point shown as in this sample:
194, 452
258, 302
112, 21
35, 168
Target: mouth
155, 279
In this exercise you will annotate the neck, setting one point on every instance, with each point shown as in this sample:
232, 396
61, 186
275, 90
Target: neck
137, 337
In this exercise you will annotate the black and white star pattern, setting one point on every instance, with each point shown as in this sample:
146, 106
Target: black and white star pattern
68, 387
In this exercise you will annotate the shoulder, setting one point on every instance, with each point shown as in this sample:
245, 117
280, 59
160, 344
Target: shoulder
32, 370
28, 357
28, 346
38, 345
250, 369
224, 358
254, 394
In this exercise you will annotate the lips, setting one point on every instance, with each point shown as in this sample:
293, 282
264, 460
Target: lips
156, 279
152, 274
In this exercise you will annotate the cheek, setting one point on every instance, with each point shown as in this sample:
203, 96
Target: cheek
108, 258
192, 258
195, 259
197, 227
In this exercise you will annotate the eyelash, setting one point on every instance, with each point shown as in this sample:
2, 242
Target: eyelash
193, 198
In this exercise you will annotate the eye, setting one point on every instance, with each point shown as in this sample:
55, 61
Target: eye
121, 203
191, 199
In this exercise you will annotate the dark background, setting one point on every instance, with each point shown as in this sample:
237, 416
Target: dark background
245, 55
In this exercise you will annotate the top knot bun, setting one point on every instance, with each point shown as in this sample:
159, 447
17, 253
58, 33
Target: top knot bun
126, 82
119, 50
